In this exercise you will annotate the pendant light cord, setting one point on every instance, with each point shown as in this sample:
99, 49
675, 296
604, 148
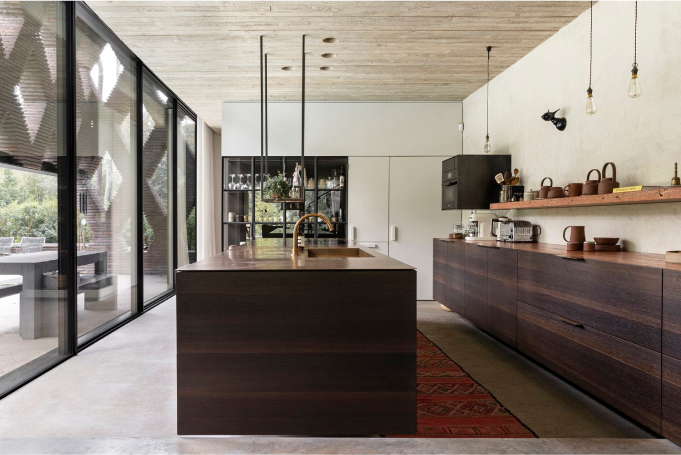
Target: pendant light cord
591, 34
635, 27
489, 48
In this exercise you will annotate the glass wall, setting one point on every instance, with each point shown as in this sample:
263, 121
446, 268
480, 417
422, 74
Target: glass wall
186, 188
106, 179
157, 190
87, 192
32, 285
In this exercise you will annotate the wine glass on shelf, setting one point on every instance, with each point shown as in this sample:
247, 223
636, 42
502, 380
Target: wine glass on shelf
249, 186
257, 184
241, 185
232, 185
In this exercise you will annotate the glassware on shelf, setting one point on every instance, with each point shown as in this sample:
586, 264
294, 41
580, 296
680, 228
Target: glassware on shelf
257, 184
241, 185
232, 185
457, 231
249, 186
310, 184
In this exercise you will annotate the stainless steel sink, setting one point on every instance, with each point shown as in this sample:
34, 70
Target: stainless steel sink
337, 253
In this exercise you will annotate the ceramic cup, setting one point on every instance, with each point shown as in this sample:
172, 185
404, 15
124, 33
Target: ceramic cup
573, 189
528, 196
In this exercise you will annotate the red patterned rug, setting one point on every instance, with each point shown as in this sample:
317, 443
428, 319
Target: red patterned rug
450, 404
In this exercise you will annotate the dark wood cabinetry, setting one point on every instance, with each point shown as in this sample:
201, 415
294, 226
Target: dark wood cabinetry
440, 271
475, 285
502, 290
456, 277
621, 373
609, 323
619, 299
671, 335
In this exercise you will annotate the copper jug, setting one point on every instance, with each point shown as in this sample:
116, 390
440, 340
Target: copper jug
544, 191
577, 238
591, 186
608, 184
555, 192
573, 189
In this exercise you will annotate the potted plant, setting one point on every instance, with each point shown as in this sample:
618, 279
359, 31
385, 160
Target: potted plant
276, 187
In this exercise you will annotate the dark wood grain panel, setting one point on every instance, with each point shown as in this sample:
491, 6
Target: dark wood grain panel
297, 353
475, 285
502, 290
440, 271
456, 272
671, 398
623, 374
671, 318
622, 300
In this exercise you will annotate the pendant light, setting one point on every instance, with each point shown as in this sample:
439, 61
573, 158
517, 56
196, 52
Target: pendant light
590, 102
488, 147
635, 84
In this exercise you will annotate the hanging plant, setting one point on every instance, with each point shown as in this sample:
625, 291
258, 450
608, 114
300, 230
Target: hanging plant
276, 187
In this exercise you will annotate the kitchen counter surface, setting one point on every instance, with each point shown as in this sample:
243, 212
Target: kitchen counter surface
271, 257
621, 257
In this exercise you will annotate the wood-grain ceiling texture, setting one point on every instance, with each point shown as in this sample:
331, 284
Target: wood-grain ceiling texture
208, 52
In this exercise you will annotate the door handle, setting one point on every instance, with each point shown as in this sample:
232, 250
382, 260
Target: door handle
393, 233
572, 259
571, 322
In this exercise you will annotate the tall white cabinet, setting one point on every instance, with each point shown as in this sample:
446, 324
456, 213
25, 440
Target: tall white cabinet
400, 195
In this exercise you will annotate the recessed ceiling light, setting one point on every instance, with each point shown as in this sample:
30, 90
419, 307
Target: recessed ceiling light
326, 68
328, 55
288, 68
330, 40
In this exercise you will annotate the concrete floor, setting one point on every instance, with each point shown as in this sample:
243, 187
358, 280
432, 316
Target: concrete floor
118, 396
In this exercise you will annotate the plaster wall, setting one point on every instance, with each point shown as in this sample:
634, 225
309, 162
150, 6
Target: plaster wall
641, 136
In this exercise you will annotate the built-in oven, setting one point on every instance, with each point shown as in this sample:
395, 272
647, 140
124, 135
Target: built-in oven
449, 184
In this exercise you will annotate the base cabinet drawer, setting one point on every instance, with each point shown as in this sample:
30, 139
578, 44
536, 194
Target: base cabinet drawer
440, 271
671, 336
502, 290
619, 299
671, 398
455, 277
625, 375
475, 285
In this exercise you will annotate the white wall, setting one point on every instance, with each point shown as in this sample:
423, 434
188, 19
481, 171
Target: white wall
642, 136
345, 129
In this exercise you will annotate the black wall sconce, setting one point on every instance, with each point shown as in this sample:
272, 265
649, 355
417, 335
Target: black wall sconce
560, 122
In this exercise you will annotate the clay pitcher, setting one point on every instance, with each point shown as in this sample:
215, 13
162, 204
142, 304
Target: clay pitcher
577, 234
591, 186
608, 184
544, 191
573, 189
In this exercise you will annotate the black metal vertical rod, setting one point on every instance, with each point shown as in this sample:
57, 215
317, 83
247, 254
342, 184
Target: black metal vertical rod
267, 141
67, 191
139, 226
262, 123
302, 126
174, 191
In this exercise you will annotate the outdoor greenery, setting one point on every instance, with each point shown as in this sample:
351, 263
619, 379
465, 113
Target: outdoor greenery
147, 238
28, 205
159, 181
191, 230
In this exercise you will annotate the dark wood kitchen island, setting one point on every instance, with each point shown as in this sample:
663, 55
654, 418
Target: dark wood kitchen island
317, 345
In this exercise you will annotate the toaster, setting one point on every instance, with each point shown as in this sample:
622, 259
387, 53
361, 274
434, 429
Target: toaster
515, 231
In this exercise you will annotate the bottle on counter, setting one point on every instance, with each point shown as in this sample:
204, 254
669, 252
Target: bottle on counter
342, 179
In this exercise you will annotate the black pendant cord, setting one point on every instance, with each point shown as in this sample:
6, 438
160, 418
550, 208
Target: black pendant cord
262, 121
591, 35
489, 48
635, 27
302, 129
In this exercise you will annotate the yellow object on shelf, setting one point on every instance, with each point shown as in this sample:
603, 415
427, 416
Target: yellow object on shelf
629, 189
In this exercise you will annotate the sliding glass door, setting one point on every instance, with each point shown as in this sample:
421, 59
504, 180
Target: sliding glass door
186, 188
157, 187
106, 126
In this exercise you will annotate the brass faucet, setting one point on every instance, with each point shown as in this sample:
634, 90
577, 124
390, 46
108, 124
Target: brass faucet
295, 229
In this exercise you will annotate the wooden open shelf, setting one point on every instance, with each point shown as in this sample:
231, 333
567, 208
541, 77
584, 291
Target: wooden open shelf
668, 194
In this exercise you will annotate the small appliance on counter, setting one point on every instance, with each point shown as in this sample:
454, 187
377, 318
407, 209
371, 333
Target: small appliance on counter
507, 230
481, 226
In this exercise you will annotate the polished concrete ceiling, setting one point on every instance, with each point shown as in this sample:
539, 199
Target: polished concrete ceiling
208, 52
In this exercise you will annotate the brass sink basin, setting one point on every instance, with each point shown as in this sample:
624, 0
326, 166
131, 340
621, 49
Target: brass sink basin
337, 253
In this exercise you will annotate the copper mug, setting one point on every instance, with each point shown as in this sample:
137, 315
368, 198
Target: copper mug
591, 186
573, 189
544, 191
577, 234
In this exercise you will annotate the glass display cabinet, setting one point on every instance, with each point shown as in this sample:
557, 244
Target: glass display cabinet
245, 216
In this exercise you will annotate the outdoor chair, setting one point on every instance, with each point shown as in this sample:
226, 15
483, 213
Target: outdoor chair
31, 244
6, 245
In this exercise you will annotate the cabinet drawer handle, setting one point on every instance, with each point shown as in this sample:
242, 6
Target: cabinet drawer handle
571, 322
489, 246
572, 259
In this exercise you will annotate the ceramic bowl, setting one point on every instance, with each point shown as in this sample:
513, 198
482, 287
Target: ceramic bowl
606, 240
